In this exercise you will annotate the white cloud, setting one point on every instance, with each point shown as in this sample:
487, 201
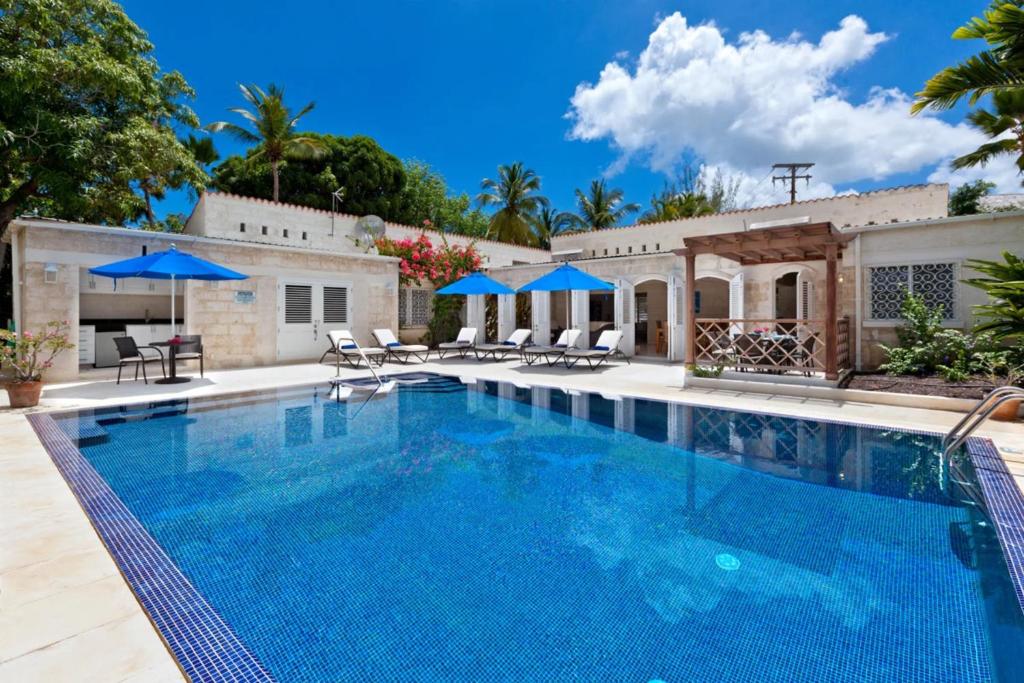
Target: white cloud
744, 105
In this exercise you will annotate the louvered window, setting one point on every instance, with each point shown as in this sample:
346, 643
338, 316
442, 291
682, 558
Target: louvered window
298, 304
336, 304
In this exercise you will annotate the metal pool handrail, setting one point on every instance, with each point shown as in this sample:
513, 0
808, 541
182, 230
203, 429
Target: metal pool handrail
977, 416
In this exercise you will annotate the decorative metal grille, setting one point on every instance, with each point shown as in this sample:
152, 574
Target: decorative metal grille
403, 307
934, 282
419, 310
889, 285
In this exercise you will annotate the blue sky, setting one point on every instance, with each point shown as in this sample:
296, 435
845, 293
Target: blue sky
468, 85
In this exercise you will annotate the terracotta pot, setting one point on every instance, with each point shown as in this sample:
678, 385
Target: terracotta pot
1007, 412
24, 394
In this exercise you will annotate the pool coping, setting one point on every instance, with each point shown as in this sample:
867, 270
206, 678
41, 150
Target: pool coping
205, 646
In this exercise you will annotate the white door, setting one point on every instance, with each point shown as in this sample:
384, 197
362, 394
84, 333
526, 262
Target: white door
677, 302
306, 312
506, 315
736, 303
804, 296
540, 305
625, 315
580, 303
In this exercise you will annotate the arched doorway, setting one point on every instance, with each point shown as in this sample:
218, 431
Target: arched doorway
651, 333
602, 315
786, 296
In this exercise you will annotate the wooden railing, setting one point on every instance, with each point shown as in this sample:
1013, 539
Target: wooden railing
773, 345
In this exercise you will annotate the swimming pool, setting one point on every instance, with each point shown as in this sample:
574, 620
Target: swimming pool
483, 531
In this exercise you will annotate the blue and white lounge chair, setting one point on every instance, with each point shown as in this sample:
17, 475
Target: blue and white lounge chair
552, 354
399, 351
462, 345
344, 347
607, 346
513, 344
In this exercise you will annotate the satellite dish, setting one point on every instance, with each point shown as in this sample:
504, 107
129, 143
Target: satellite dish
370, 226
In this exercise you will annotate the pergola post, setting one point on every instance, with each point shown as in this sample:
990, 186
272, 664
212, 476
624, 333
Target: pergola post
689, 315
831, 312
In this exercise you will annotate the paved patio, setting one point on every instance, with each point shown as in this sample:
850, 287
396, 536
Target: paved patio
62, 599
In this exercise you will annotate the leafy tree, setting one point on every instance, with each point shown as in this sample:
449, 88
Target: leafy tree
998, 68
1003, 315
966, 199
691, 195
425, 198
1008, 117
600, 207
202, 149
274, 130
516, 193
371, 179
548, 223
86, 116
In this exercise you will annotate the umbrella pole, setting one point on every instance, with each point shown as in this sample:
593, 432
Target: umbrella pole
172, 306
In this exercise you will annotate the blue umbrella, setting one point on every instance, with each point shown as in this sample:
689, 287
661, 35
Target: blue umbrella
167, 265
476, 283
567, 278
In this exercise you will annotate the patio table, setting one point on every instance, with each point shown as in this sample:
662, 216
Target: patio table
172, 350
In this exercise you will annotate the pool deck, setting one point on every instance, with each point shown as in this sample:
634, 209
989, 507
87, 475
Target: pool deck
63, 600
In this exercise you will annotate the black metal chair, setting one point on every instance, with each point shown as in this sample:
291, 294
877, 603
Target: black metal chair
128, 353
191, 348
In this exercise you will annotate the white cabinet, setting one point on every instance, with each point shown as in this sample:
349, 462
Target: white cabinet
86, 344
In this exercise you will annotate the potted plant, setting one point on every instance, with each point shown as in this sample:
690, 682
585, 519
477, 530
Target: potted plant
28, 355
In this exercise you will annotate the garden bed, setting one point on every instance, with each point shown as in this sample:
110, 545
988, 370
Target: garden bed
933, 385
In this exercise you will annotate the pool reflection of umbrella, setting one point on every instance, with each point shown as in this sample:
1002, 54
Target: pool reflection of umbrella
167, 265
567, 278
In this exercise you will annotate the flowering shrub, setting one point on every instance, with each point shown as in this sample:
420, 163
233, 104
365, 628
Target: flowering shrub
422, 261
29, 354
439, 266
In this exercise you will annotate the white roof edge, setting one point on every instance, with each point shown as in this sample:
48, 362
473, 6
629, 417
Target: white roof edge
945, 220
183, 238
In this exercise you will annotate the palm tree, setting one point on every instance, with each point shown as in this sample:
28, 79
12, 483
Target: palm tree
548, 223
517, 193
202, 149
601, 207
1008, 118
274, 136
1000, 67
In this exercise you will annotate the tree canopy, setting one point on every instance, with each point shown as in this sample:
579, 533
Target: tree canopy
600, 207
692, 195
516, 195
426, 197
370, 178
87, 118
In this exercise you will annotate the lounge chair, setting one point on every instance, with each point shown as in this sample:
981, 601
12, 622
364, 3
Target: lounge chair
462, 345
399, 351
344, 347
552, 354
607, 346
513, 344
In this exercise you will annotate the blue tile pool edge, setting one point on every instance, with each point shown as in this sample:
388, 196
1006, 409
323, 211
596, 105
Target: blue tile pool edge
203, 644
216, 652
1005, 503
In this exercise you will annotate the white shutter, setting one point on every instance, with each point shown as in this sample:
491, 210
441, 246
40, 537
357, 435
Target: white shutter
506, 315
625, 315
335, 305
804, 297
677, 303
580, 302
736, 306
298, 304
540, 307
475, 307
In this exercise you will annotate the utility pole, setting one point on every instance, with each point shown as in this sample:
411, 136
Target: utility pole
791, 177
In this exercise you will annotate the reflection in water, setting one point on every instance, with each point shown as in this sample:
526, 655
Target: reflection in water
543, 535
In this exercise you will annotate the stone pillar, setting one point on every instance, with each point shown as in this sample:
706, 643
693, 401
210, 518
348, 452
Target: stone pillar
690, 318
831, 313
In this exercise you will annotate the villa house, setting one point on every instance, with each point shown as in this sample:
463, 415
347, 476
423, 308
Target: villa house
824, 278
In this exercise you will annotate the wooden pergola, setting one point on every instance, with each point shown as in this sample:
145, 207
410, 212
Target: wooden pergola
782, 244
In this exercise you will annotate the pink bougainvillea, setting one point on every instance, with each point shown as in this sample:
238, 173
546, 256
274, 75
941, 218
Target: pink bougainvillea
421, 260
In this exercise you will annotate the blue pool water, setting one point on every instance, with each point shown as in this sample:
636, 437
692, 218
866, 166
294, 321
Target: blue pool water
493, 533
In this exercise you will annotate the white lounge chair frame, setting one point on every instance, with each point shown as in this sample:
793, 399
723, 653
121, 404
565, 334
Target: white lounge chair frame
344, 346
610, 339
462, 345
399, 351
568, 339
517, 339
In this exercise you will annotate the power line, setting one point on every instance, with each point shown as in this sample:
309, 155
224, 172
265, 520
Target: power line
791, 177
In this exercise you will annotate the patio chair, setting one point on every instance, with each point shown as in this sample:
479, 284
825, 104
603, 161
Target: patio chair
513, 344
606, 347
344, 347
568, 339
128, 353
805, 354
462, 345
747, 350
399, 351
191, 348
